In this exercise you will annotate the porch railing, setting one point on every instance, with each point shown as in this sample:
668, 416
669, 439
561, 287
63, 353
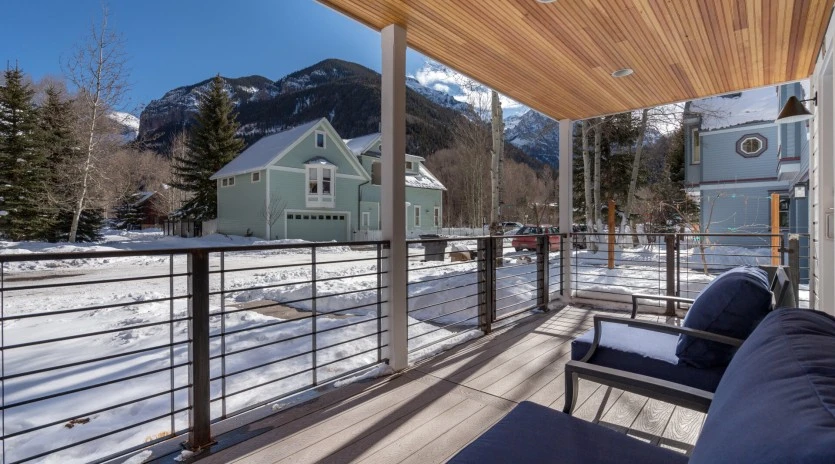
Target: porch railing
104, 353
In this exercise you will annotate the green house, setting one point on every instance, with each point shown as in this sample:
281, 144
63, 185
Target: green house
308, 183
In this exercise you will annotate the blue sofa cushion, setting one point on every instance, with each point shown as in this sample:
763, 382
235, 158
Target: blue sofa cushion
732, 304
776, 402
534, 433
644, 352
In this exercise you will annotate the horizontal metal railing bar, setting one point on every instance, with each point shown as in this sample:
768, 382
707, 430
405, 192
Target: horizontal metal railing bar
166, 346
349, 357
441, 266
93, 334
444, 302
322, 296
517, 294
179, 251
443, 277
679, 234
93, 282
516, 312
259, 366
290, 265
447, 289
90, 413
442, 328
440, 340
342, 342
424, 321
372, 318
253, 387
263, 345
97, 437
8, 406
499, 279
287, 284
290, 393
299, 300
91, 308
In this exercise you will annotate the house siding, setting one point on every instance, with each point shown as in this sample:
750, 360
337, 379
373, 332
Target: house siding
427, 200
721, 162
240, 207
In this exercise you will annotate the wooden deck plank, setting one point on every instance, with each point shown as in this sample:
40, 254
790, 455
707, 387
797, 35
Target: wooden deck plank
683, 430
427, 433
427, 413
352, 447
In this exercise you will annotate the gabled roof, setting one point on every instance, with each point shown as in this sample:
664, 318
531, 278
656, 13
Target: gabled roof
262, 152
363, 143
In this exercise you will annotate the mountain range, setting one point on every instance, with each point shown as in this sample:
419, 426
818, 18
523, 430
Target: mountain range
348, 94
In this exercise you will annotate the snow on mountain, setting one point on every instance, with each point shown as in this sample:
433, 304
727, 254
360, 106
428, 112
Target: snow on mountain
437, 96
535, 134
438, 78
129, 123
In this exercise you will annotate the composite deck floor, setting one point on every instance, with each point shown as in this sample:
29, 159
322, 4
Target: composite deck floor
429, 412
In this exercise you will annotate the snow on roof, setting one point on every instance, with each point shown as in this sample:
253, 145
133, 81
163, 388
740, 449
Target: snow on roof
142, 197
424, 179
737, 109
259, 155
360, 144
318, 160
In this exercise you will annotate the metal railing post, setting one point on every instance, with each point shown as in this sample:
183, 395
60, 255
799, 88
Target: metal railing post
313, 312
794, 263
670, 248
542, 249
199, 372
485, 284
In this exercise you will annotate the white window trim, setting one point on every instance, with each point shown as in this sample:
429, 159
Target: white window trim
319, 199
696, 148
417, 216
436, 216
316, 139
365, 221
253, 175
227, 182
759, 143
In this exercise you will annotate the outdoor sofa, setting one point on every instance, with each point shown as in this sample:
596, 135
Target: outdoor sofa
775, 403
678, 364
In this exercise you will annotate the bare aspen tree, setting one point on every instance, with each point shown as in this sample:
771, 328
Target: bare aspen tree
98, 71
272, 211
598, 140
497, 127
636, 166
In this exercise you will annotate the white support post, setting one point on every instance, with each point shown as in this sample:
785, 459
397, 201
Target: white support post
566, 201
393, 190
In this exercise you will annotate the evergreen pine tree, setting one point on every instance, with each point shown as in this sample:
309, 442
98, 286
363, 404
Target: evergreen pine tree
128, 215
23, 172
61, 151
212, 144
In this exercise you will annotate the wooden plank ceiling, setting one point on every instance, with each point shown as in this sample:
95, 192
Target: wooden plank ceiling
558, 57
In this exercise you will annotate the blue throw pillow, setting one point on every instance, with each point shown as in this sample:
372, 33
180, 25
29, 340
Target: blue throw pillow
732, 305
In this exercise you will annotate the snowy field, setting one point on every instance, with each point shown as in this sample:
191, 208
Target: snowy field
135, 327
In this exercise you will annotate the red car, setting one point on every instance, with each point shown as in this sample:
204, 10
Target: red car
526, 239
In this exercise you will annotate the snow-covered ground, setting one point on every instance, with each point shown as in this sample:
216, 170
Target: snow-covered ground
261, 304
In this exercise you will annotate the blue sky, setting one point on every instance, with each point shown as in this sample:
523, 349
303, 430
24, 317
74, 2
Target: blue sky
178, 42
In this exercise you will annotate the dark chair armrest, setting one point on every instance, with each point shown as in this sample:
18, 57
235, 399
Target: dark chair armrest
641, 296
658, 327
671, 392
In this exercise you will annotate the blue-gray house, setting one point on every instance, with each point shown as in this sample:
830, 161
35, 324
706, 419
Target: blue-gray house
736, 157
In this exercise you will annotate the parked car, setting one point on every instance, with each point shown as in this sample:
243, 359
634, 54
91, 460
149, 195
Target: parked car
526, 237
510, 225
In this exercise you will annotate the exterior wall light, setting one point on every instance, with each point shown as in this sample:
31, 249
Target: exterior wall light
795, 111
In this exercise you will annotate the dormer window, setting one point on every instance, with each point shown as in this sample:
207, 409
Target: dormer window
319, 139
409, 166
319, 185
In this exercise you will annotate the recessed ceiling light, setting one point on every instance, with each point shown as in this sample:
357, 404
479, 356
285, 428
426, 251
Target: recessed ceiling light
622, 72
546, 1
